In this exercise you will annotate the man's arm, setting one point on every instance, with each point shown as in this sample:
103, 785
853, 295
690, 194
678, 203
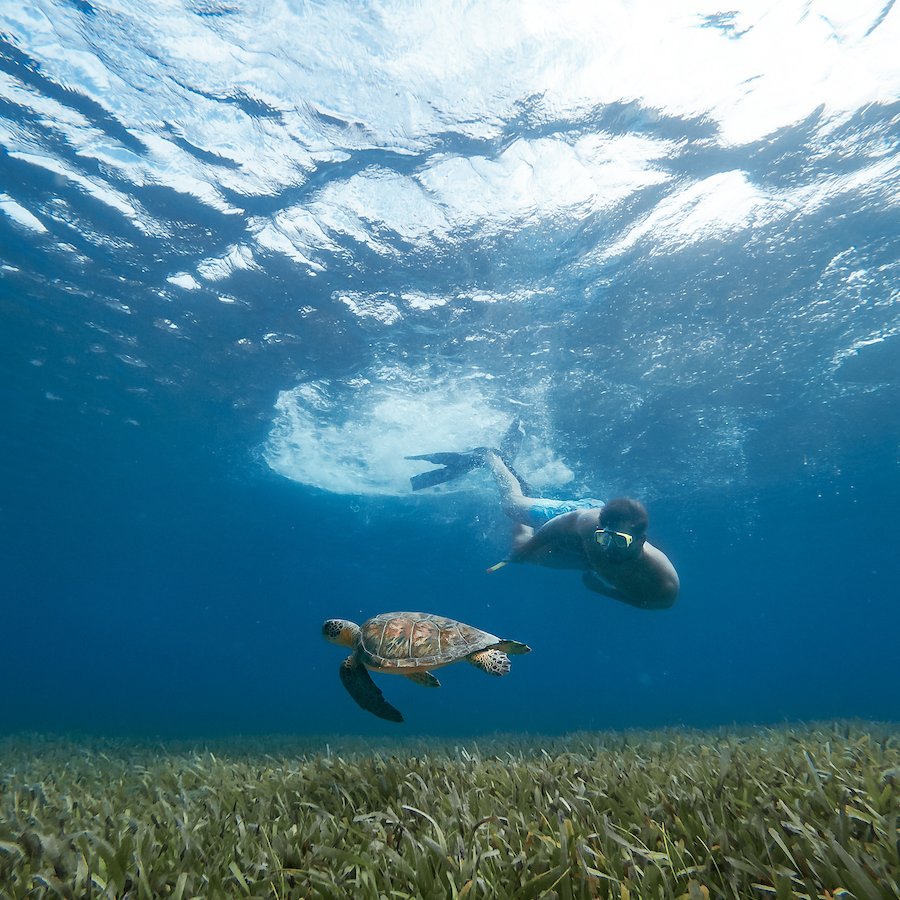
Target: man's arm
593, 582
660, 593
554, 544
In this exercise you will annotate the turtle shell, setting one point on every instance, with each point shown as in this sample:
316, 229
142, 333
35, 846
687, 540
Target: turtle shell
412, 640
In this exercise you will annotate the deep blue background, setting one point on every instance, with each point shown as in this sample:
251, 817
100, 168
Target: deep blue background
162, 581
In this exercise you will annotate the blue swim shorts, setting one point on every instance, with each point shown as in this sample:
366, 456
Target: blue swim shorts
544, 509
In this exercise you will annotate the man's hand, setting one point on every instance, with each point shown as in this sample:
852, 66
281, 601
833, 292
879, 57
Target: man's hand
593, 582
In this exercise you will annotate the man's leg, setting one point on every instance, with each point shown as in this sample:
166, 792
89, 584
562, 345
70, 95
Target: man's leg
515, 504
530, 512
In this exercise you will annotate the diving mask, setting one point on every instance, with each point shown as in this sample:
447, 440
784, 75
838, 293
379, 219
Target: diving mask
607, 538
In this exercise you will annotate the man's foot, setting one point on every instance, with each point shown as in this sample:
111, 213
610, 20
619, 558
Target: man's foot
512, 441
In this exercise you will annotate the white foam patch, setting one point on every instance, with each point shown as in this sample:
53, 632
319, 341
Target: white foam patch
295, 233
353, 438
534, 180
375, 199
217, 268
422, 302
184, 280
715, 207
377, 308
20, 215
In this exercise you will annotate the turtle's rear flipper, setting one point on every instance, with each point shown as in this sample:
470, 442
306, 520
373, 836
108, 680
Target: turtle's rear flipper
426, 679
356, 678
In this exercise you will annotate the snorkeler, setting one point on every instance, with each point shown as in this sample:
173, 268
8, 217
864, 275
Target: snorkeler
606, 541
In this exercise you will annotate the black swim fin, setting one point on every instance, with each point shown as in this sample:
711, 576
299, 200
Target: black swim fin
454, 465
457, 464
439, 459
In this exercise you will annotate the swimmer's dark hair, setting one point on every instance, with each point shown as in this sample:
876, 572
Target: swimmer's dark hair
625, 514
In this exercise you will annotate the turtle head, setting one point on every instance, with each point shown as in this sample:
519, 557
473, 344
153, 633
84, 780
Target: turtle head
340, 631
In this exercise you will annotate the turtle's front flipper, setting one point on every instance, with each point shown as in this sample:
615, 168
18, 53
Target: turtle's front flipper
426, 679
494, 662
356, 678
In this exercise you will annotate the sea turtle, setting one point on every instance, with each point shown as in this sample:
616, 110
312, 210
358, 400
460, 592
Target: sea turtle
411, 644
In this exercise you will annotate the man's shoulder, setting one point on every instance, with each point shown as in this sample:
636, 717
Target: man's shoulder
589, 517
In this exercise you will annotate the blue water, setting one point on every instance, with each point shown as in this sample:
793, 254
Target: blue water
253, 257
